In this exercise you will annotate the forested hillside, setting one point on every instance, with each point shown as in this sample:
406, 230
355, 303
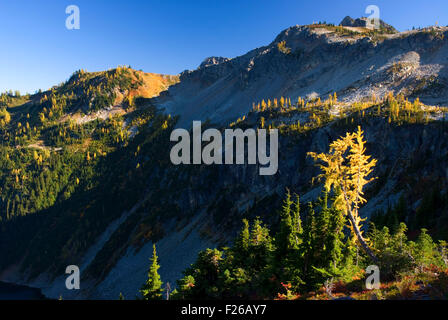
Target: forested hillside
86, 177
54, 167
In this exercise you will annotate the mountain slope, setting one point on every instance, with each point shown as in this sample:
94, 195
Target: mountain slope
100, 188
323, 59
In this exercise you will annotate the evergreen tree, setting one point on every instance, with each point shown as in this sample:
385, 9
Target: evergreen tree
308, 249
152, 289
241, 245
185, 285
261, 246
297, 222
205, 272
335, 240
323, 225
400, 238
425, 252
285, 239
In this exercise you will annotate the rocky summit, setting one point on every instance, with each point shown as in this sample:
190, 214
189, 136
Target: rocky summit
365, 23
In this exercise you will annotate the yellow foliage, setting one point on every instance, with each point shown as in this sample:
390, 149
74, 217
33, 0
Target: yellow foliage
346, 168
282, 47
5, 116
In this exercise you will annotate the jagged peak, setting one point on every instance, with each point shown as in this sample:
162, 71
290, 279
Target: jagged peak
349, 22
211, 61
364, 22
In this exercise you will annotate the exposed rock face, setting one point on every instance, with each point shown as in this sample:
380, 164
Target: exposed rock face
322, 61
365, 23
211, 61
348, 22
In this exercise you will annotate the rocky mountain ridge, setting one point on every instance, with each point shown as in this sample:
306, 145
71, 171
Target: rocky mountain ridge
323, 59
187, 209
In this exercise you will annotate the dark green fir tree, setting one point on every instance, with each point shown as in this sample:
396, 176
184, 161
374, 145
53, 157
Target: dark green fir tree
152, 289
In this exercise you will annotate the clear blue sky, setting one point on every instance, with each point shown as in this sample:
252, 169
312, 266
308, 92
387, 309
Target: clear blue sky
163, 36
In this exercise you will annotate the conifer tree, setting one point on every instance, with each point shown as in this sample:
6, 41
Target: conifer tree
286, 244
400, 237
185, 285
346, 167
425, 249
335, 240
323, 229
261, 247
297, 222
152, 289
309, 233
241, 244
285, 238
314, 262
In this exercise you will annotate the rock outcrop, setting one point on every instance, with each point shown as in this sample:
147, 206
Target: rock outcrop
211, 61
365, 23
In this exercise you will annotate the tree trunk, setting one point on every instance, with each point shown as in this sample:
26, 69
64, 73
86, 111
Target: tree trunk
361, 238
356, 229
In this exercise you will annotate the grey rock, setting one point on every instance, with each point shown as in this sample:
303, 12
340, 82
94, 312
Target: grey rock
364, 22
211, 61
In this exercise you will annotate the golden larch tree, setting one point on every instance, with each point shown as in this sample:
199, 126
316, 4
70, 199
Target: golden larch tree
346, 168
